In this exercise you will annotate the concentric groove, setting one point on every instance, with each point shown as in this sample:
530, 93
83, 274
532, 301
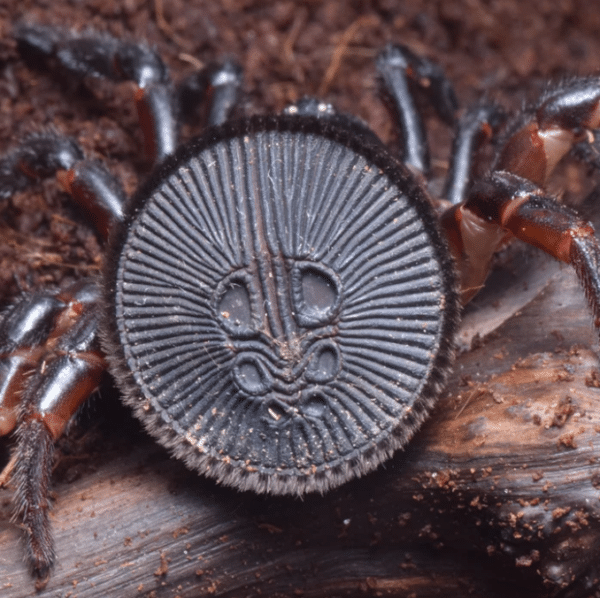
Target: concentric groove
241, 223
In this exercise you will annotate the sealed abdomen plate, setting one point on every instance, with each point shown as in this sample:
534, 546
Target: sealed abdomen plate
283, 305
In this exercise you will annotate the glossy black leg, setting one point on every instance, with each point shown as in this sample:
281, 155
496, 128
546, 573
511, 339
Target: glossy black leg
218, 85
401, 70
103, 56
89, 182
474, 128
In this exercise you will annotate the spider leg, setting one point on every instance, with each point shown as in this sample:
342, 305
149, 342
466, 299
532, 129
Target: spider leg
219, 84
521, 208
475, 127
504, 205
25, 328
510, 201
88, 182
103, 56
545, 132
400, 70
50, 362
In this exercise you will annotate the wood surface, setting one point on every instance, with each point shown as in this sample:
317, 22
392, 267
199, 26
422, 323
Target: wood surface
498, 495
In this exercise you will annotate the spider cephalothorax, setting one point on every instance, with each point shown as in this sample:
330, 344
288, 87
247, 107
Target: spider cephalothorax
279, 299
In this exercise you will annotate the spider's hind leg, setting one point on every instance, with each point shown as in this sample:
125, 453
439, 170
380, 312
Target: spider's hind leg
217, 84
50, 362
159, 104
402, 72
474, 129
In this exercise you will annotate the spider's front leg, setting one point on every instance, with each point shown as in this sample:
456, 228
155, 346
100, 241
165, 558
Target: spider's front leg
46, 154
50, 362
157, 102
511, 202
563, 117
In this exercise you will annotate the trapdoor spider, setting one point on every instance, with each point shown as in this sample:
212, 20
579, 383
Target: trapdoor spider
279, 299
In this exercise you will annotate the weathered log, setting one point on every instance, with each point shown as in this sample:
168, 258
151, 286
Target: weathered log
498, 494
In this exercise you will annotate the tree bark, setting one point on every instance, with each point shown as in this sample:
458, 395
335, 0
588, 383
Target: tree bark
497, 495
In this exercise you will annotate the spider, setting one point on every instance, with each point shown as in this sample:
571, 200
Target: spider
280, 297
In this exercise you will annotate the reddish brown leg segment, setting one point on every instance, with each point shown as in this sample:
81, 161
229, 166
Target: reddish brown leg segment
511, 205
93, 188
52, 339
157, 120
545, 133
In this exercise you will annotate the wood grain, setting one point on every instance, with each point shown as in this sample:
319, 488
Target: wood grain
499, 493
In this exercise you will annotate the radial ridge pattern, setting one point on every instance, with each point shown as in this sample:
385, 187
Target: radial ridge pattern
282, 305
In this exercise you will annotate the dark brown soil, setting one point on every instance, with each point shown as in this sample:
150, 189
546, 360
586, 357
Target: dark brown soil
502, 49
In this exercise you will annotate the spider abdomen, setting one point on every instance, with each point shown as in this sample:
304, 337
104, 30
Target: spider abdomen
283, 302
